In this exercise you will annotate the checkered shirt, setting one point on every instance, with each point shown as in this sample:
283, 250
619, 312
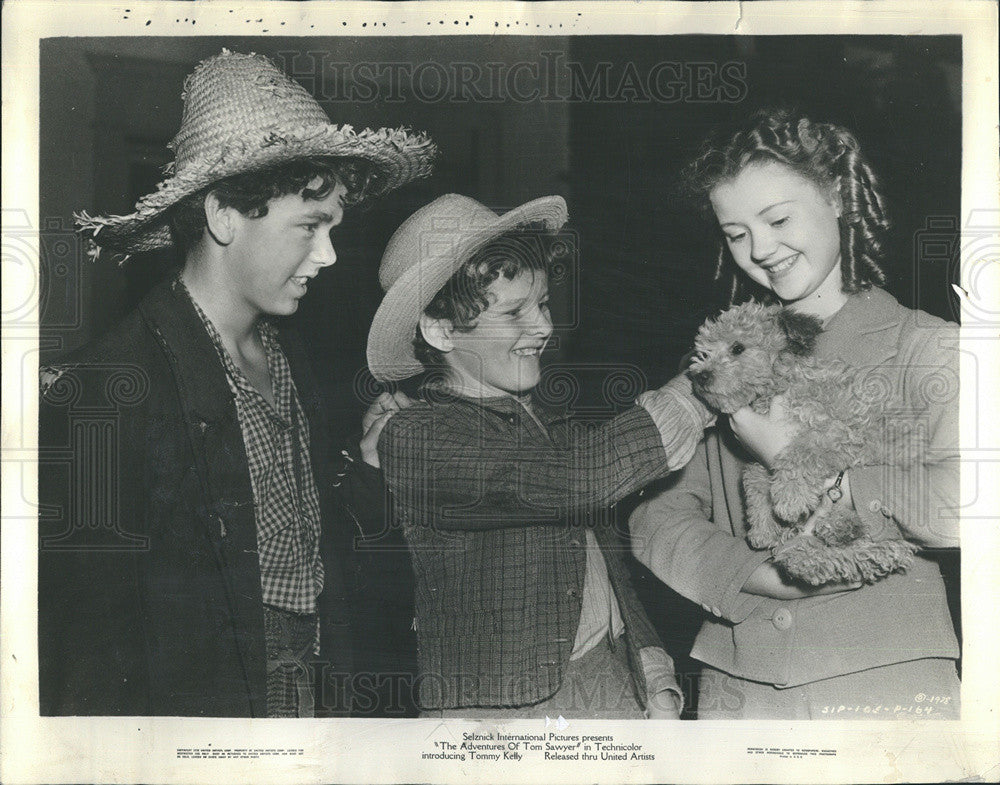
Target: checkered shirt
286, 502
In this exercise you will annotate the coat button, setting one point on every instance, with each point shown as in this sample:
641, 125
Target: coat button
875, 505
573, 593
782, 619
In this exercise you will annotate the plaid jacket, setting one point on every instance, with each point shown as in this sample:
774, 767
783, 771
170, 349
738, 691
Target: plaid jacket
493, 510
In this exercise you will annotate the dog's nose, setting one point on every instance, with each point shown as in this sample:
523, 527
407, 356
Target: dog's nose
702, 378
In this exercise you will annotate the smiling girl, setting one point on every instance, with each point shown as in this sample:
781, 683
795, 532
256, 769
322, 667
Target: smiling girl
802, 222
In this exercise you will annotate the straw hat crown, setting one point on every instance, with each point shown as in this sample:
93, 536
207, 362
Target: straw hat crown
433, 231
241, 114
234, 96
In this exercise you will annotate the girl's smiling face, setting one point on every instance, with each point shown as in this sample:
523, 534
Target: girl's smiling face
782, 231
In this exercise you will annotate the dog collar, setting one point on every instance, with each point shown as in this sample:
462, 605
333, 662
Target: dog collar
835, 492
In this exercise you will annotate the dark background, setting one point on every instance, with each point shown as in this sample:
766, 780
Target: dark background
639, 283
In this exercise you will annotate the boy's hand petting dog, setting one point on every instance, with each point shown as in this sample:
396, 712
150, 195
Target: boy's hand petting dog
374, 420
680, 417
764, 435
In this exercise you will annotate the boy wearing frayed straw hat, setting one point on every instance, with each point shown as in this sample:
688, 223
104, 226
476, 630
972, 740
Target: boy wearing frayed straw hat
523, 602
217, 578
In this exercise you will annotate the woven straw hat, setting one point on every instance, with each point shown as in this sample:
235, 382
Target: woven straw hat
422, 255
242, 113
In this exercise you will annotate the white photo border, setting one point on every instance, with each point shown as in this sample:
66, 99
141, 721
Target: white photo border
50, 749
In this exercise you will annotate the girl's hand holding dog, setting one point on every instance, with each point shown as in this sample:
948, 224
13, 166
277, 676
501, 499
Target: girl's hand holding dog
764, 435
768, 581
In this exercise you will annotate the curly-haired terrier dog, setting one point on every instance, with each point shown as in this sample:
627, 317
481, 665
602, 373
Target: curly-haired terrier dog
747, 356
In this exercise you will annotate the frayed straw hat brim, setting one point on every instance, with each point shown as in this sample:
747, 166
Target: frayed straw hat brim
397, 155
242, 114
390, 339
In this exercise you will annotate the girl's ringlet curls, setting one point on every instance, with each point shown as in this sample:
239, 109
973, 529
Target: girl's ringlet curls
827, 154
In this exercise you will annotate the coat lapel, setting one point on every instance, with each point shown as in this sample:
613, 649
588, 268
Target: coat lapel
864, 333
205, 398
216, 438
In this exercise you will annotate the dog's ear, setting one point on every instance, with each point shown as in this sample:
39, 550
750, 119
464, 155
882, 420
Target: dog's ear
800, 329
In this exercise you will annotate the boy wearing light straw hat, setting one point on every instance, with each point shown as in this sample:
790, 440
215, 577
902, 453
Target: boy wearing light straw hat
202, 563
523, 602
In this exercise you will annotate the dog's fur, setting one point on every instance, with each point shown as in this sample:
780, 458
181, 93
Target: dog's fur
748, 355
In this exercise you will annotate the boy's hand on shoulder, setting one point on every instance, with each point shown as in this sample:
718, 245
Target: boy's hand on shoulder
375, 418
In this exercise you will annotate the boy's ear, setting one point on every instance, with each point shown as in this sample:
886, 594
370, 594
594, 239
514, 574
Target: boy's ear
800, 329
437, 332
219, 220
